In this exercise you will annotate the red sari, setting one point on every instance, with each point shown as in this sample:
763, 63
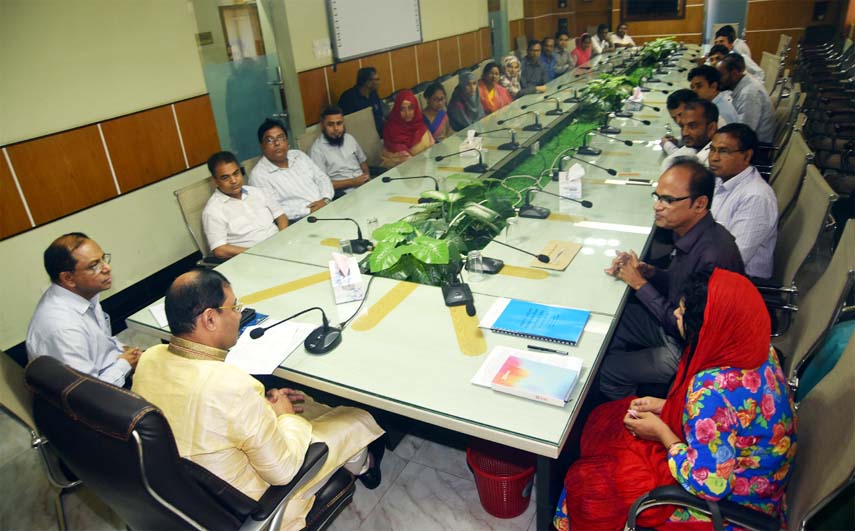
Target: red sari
581, 56
615, 468
399, 135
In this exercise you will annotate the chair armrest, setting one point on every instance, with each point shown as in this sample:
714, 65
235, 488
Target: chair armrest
374, 171
235, 501
276, 496
212, 261
723, 510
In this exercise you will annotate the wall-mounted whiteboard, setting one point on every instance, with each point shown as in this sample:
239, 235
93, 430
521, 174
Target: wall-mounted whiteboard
363, 27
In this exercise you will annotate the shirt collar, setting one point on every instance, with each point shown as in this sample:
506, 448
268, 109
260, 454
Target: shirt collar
738, 179
224, 198
73, 300
688, 240
195, 351
269, 167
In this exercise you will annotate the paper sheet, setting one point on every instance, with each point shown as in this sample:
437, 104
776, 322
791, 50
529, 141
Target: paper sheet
560, 255
263, 355
499, 355
158, 311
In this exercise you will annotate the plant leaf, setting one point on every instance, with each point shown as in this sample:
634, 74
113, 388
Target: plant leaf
392, 232
430, 250
386, 255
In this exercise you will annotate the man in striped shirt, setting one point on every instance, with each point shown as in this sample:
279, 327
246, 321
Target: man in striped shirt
289, 175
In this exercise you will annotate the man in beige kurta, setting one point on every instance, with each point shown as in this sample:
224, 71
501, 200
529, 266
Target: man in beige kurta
220, 415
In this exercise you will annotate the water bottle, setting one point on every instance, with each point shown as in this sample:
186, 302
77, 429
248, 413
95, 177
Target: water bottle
475, 266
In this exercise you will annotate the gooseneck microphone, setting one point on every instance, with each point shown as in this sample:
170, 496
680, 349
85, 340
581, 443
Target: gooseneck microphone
479, 167
554, 112
507, 146
359, 245
645, 122
536, 212
597, 132
607, 129
610, 171
421, 199
540, 257
563, 86
531, 127
319, 341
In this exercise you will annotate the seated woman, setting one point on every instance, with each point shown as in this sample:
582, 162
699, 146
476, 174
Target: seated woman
510, 79
725, 431
435, 115
493, 95
465, 108
405, 133
584, 49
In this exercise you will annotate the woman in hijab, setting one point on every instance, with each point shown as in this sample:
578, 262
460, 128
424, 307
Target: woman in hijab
725, 431
510, 79
405, 133
435, 114
465, 107
584, 48
493, 95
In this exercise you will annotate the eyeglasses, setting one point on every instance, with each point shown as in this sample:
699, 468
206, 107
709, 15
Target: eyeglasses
667, 199
270, 140
725, 151
98, 266
237, 306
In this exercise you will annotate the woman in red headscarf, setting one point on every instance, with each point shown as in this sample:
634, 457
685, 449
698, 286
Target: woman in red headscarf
405, 133
583, 50
725, 431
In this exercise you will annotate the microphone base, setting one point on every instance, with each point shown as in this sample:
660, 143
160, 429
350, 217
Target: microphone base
423, 200
475, 168
322, 340
533, 127
588, 150
489, 266
573, 99
654, 80
534, 212
623, 114
509, 146
554, 112
645, 89
457, 294
361, 246
610, 130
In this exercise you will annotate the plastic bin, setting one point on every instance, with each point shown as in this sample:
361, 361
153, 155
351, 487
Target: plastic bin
504, 478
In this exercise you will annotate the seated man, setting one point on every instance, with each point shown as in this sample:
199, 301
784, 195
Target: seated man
69, 323
364, 94
620, 39
237, 217
712, 58
704, 81
750, 99
744, 203
647, 345
738, 45
563, 60
601, 42
548, 58
220, 415
728, 41
698, 123
338, 154
675, 104
289, 175
533, 76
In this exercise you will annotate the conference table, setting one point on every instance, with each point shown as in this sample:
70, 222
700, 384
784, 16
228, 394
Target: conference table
409, 354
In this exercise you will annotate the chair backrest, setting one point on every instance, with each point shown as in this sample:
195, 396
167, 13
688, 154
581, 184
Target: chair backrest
798, 233
785, 115
248, 165
771, 66
783, 45
449, 85
361, 125
191, 200
825, 455
308, 137
15, 398
788, 172
122, 448
522, 45
819, 307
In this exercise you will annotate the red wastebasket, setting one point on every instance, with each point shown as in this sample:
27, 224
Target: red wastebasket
504, 477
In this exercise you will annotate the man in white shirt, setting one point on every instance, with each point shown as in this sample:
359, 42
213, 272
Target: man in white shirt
69, 323
704, 81
620, 39
739, 45
675, 104
337, 153
750, 99
698, 123
237, 217
750, 66
743, 202
600, 42
290, 176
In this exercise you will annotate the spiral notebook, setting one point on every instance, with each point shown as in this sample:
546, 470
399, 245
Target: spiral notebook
536, 321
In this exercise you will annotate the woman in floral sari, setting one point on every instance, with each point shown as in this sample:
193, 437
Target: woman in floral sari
725, 431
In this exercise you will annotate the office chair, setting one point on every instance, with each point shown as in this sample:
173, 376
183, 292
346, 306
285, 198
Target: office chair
192, 200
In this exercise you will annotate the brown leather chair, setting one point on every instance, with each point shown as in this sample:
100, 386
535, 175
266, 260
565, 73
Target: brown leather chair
122, 448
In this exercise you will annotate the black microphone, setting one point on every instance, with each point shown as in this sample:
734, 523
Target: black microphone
607, 129
650, 106
507, 146
319, 341
531, 127
540, 257
597, 132
645, 122
536, 212
610, 171
479, 167
421, 199
457, 293
554, 112
628, 114
563, 86
360, 245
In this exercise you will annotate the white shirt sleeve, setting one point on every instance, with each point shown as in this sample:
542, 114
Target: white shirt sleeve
71, 347
216, 231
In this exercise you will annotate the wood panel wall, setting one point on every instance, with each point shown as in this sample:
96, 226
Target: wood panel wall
398, 69
541, 16
689, 29
46, 178
768, 19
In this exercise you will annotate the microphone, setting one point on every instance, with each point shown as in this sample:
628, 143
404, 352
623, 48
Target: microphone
607, 129
645, 122
360, 245
597, 132
479, 167
508, 146
554, 112
421, 199
456, 293
561, 87
532, 127
319, 341
628, 114
535, 212
610, 171
540, 257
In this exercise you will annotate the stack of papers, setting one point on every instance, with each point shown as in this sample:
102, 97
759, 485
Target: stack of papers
263, 355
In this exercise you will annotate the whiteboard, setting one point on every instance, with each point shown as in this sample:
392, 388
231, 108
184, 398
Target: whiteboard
363, 27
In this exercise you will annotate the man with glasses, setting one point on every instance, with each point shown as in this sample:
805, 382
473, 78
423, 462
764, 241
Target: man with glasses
221, 416
289, 175
646, 345
237, 217
744, 203
69, 323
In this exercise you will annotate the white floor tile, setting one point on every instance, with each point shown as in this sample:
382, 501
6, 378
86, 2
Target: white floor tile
408, 446
15, 439
28, 498
443, 458
364, 500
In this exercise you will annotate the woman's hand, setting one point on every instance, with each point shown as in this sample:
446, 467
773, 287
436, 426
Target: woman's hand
648, 403
650, 427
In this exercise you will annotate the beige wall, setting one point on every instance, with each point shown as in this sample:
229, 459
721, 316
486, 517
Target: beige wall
515, 9
71, 63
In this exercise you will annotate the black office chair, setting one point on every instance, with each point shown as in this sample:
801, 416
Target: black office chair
122, 448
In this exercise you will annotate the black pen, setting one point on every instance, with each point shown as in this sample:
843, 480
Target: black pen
550, 350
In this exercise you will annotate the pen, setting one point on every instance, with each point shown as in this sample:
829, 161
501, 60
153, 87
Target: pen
550, 350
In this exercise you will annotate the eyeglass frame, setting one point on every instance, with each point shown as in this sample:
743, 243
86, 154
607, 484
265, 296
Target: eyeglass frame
725, 151
238, 306
669, 200
98, 267
273, 140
